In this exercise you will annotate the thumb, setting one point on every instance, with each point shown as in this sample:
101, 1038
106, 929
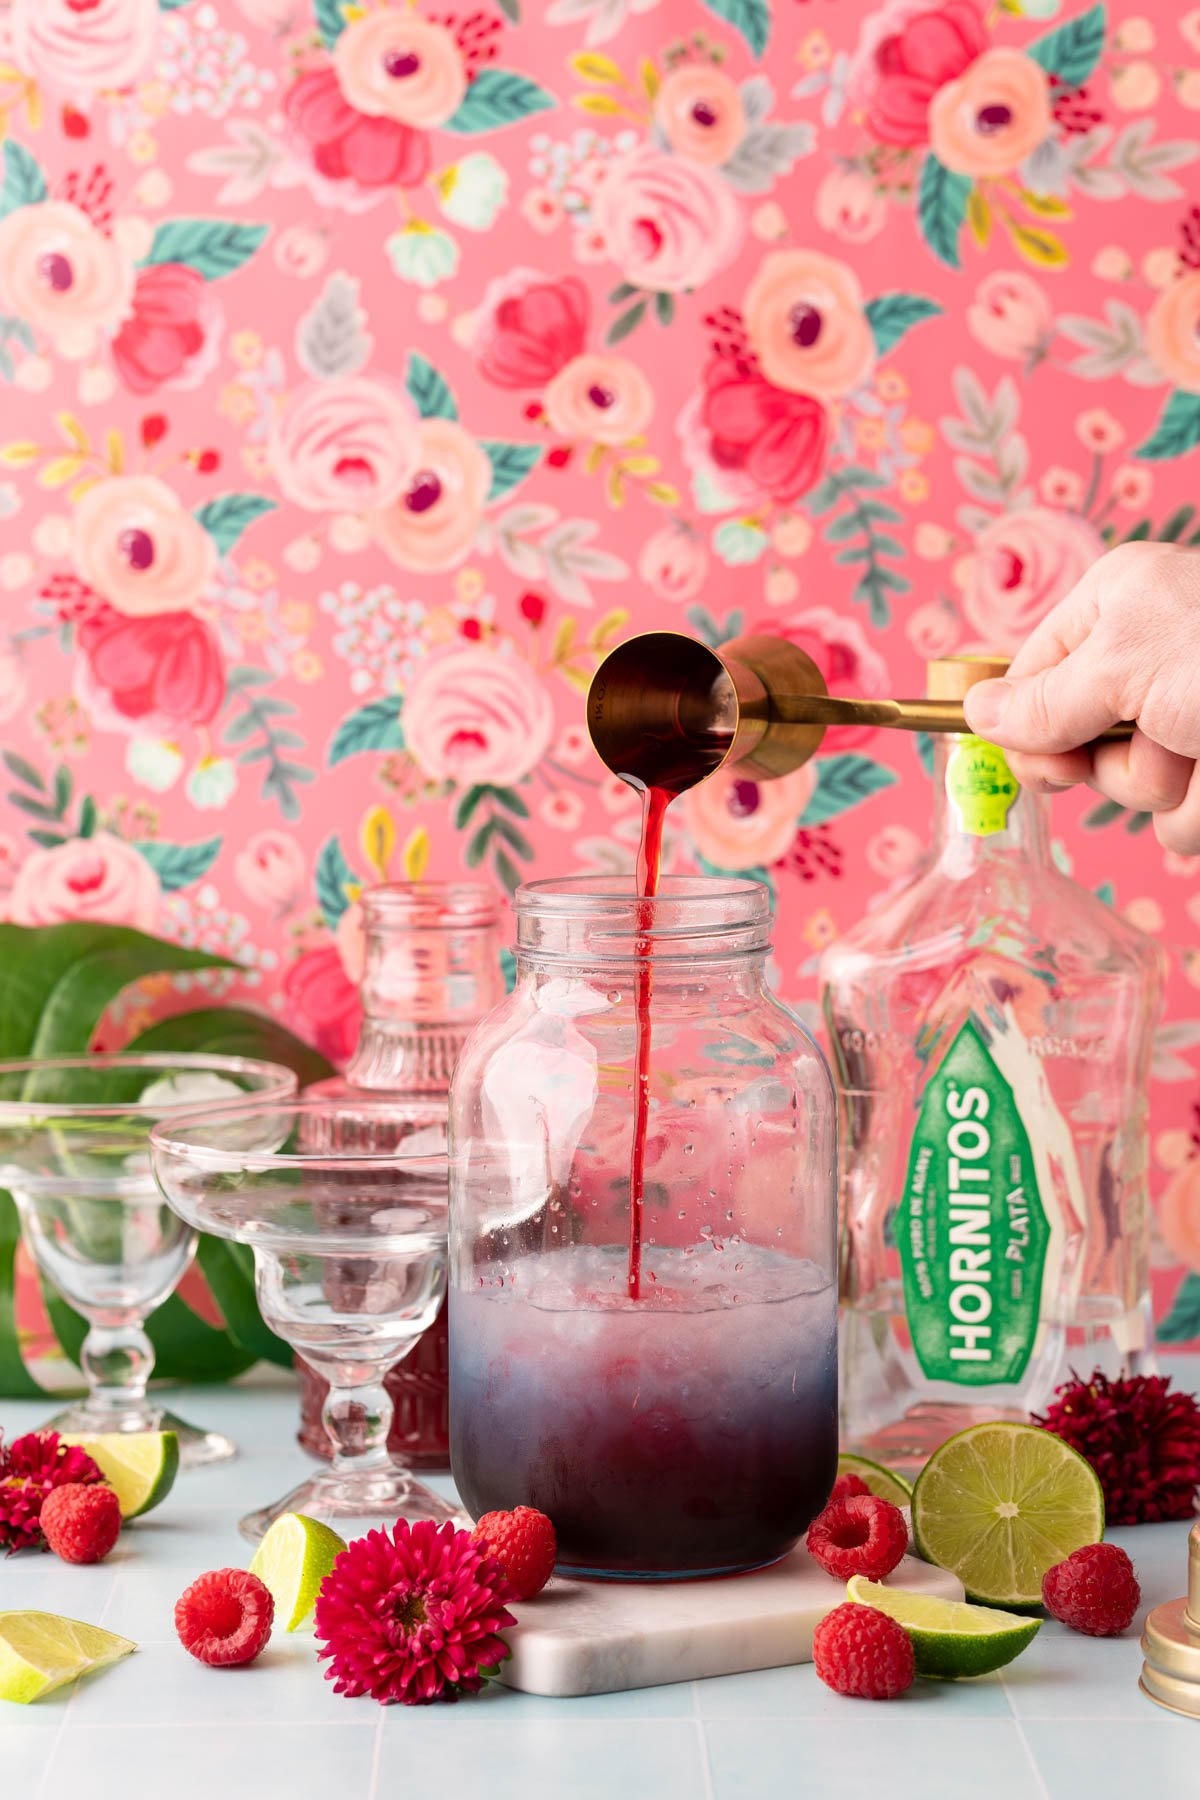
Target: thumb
1053, 710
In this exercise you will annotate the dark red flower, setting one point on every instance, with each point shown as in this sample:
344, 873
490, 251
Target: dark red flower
32, 1467
154, 428
775, 437
346, 145
897, 72
413, 1615
533, 608
159, 672
169, 328
207, 461
1142, 1440
530, 328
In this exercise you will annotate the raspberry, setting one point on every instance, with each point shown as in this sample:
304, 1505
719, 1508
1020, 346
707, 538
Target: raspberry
524, 1544
862, 1652
225, 1617
81, 1524
848, 1487
859, 1536
1095, 1591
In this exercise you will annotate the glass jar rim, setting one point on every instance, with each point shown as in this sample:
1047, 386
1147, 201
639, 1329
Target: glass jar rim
599, 917
433, 905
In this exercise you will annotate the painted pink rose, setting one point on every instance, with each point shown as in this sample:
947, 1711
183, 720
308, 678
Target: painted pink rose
271, 15
322, 1002
528, 327
172, 335
349, 934
667, 224
432, 524
133, 541
346, 145
993, 117
850, 205
346, 445
149, 676
100, 879
65, 277
1012, 316
894, 852
474, 716
759, 436
849, 663
933, 630
84, 47
1173, 332
1024, 564
301, 251
907, 51
674, 563
601, 397
700, 113
13, 682
806, 324
271, 871
739, 823
391, 64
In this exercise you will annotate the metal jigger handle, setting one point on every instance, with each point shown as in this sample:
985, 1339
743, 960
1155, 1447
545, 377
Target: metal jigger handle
893, 715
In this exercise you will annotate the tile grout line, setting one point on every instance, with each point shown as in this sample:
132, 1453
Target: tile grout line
376, 1756
1042, 1790
702, 1733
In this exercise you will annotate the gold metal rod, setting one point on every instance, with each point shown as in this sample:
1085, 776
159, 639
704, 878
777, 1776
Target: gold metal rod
895, 715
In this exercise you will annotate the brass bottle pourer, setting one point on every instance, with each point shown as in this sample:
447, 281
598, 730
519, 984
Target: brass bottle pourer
1171, 1644
669, 711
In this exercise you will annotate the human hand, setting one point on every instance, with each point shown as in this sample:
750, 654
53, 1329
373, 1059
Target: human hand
1124, 644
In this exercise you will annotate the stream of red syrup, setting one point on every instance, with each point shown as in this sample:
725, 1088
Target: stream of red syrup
655, 801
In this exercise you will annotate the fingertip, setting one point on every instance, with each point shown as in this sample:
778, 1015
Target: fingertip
984, 705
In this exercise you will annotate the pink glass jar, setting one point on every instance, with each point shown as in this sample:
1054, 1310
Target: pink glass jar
431, 971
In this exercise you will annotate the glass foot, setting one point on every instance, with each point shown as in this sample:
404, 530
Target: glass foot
379, 1497
196, 1446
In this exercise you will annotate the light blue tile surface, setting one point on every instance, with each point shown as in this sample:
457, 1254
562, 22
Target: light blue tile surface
160, 1724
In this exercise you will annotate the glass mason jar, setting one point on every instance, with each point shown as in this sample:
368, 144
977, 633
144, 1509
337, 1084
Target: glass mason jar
431, 970
690, 1430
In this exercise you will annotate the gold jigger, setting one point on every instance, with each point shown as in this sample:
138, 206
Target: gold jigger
1171, 1644
668, 711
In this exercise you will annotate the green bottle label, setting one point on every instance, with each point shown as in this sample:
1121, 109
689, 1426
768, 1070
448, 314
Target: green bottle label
971, 1229
981, 786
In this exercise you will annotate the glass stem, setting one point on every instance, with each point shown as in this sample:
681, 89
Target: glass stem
357, 1420
117, 1362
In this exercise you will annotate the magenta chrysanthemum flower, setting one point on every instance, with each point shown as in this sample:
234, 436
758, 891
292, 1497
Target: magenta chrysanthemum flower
30, 1467
413, 1615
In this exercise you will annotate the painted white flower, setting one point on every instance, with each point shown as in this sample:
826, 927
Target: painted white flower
154, 763
422, 255
473, 191
212, 783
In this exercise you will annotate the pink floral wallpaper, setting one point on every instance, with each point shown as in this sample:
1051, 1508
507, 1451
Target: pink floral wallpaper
370, 368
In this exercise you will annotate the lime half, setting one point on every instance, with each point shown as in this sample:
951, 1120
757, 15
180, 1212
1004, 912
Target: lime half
293, 1560
140, 1466
885, 1484
1000, 1504
40, 1652
950, 1639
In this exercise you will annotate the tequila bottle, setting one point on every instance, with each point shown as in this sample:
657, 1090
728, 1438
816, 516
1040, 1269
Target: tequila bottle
991, 1028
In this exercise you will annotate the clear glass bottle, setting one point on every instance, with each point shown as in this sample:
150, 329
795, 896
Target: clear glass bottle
431, 970
692, 1429
991, 1026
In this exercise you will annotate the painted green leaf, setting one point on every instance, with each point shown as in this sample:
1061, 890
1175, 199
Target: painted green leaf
511, 463
751, 17
213, 247
235, 1031
891, 315
23, 183
331, 21
229, 1271
941, 208
1072, 51
498, 97
429, 393
178, 865
228, 516
1177, 431
15, 1378
376, 726
334, 877
1182, 1323
843, 782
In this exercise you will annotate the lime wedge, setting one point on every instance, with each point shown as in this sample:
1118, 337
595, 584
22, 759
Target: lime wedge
140, 1466
40, 1652
885, 1484
1000, 1504
950, 1639
293, 1560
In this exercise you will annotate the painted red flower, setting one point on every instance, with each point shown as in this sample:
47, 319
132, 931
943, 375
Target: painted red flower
529, 327
172, 324
323, 1003
149, 674
346, 145
907, 52
30, 1468
777, 439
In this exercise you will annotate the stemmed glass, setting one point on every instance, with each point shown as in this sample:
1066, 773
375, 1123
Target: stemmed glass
75, 1157
350, 1263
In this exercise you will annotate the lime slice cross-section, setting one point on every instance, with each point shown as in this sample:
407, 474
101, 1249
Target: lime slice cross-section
140, 1466
950, 1638
39, 1651
293, 1560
